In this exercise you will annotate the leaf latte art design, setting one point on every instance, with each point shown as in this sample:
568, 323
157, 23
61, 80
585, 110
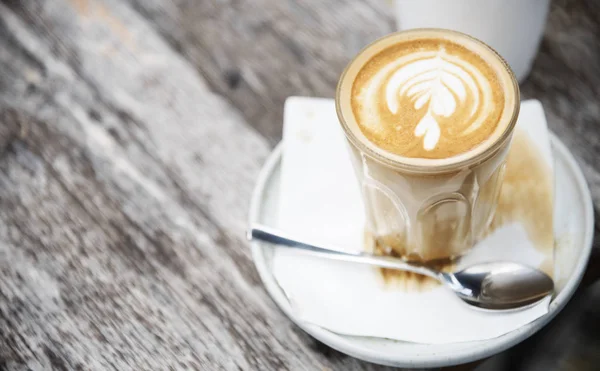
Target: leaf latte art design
432, 100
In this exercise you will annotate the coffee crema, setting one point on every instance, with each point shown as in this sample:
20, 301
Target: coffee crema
427, 97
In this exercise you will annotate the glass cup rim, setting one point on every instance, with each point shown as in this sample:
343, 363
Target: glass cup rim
429, 166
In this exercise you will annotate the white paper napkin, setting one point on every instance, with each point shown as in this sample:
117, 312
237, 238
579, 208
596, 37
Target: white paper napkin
320, 200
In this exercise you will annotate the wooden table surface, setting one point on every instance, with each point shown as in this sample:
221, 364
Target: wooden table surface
131, 136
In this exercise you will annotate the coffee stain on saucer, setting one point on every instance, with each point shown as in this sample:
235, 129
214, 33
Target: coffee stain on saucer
526, 197
527, 194
402, 280
413, 282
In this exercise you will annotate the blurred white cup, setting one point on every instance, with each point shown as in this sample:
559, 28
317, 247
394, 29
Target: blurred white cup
514, 28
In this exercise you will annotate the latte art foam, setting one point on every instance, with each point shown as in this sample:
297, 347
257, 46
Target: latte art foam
443, 86
427, 98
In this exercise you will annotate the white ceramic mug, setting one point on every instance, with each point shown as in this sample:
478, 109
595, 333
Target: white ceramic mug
513, 27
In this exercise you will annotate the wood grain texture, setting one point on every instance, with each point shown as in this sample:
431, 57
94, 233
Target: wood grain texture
123, 207
131, 136
257, 53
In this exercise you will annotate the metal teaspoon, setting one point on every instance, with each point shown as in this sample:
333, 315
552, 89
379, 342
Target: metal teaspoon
493, 285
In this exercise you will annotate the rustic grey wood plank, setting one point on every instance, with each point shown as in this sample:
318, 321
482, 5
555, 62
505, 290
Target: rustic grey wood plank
259, 52
122, 207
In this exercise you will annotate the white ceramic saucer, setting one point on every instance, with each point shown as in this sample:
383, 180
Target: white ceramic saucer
574, 225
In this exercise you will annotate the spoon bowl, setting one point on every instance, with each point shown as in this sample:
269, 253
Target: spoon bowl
499, 285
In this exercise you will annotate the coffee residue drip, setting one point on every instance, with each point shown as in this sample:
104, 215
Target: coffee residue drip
427, 98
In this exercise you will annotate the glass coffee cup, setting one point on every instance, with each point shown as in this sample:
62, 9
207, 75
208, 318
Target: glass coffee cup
429, 116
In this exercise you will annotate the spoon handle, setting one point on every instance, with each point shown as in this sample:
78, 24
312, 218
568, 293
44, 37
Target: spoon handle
274, 236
